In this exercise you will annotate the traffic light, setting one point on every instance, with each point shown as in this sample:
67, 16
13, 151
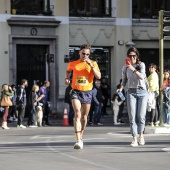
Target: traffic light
164, 24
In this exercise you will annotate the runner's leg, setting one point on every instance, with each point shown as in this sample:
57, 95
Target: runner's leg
77, 118
85, 108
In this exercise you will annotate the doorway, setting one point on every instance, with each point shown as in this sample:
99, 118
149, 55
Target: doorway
31, 63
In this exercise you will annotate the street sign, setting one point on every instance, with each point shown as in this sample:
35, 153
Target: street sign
50, 58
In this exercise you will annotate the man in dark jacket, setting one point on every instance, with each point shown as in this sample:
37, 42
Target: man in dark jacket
21, 102
98, 102
46, 102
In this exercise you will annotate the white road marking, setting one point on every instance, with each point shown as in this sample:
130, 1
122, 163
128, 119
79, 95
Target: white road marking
129, 135
166, 150
93, 139
73, 157
50, 137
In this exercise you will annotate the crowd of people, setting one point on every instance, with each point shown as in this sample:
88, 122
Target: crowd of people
14, 102
88, 96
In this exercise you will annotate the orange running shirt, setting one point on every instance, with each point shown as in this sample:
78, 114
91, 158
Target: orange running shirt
82, 75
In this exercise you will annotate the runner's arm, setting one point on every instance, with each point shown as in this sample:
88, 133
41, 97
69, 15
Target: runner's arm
96, 72
67, 79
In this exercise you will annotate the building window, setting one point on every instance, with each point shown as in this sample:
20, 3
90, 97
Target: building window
90, 8
31, 7
149, 8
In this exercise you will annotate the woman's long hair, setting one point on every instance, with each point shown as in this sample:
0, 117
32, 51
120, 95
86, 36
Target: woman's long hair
135, 50
114, 97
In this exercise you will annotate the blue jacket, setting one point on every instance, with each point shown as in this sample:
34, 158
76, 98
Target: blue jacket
44, 91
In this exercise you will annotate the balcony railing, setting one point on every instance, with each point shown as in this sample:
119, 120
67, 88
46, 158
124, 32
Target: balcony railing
92, 12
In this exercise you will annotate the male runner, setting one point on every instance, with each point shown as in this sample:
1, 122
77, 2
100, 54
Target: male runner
84, 70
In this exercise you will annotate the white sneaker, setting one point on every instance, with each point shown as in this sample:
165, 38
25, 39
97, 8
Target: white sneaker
165, 124
118, 123
141, 140
156, 124
32, 126
134, 143
21, 126
78, 145
152, 125
100, 124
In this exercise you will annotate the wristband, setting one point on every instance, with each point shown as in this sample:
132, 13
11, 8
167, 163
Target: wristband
134, 71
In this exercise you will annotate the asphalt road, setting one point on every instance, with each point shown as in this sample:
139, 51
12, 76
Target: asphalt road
105, 147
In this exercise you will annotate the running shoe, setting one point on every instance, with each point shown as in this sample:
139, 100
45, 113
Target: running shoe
78, 145
134, 143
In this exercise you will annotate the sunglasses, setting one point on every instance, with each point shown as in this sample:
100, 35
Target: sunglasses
85, 53
130, 56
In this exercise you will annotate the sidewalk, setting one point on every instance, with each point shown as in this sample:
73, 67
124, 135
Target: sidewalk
106, 121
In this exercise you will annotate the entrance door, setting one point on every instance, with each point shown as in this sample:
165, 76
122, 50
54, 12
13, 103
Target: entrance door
31, 64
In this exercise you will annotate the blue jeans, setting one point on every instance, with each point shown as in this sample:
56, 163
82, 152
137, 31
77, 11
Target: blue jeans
97, 113
137, 105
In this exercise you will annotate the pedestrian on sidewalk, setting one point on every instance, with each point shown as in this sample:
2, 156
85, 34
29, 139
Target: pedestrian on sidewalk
44, 90
21, 102
134, 74
105, 92
13, 116
33, 103
6, 90
98, 102
84, 70
153, 81
121, 107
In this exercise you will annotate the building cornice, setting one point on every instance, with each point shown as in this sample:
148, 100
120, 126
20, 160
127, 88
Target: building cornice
91, 21
30, 21
145, 22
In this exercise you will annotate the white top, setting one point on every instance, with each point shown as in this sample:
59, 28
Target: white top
116, 104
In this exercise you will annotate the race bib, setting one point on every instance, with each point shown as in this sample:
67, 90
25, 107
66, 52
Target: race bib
81, 81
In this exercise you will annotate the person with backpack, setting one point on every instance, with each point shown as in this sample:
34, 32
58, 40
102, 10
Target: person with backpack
21, 102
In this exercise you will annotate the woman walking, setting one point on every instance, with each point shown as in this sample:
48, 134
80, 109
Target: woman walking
133, 73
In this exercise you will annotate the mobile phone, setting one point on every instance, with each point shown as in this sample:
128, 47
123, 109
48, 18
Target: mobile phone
127, 61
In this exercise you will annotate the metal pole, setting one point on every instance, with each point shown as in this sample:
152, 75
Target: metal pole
161, 58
